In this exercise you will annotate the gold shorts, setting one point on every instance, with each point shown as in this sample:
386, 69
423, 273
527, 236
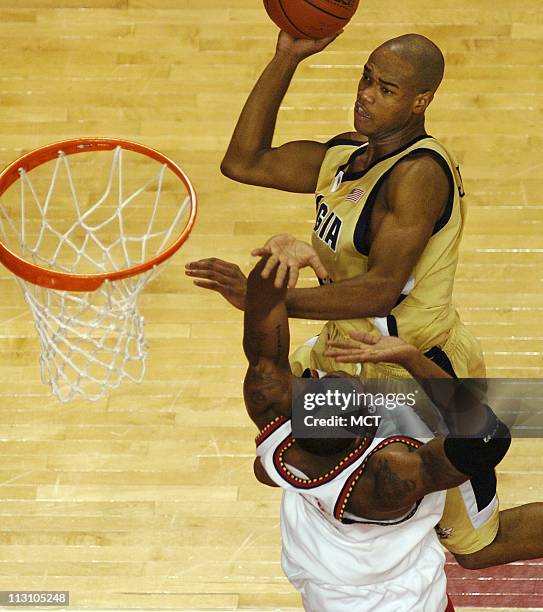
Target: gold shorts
461, 350
470, 520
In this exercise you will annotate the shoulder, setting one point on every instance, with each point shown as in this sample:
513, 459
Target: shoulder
388, 487
421, 168
394, 478
419, 182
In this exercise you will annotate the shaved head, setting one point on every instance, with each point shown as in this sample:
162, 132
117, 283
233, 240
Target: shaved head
424, 57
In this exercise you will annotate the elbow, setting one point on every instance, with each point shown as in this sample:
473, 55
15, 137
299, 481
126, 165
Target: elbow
228, 169
379, 310
382, 312
234, 170
384, 306
373, 295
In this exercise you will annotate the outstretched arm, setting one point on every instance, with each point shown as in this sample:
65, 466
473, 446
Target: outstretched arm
266, 332
416, 193
266, 342
462, 410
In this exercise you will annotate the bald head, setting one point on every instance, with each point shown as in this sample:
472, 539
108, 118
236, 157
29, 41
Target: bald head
424, 57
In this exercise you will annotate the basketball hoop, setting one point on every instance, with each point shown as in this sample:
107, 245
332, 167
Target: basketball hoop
82, 253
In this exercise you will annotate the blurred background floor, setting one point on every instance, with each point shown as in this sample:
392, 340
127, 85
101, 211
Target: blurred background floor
146, 499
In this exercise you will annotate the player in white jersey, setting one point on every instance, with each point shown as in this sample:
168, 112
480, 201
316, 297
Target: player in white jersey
357, 515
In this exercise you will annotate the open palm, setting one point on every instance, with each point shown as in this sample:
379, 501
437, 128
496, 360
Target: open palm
371, 349
291, 254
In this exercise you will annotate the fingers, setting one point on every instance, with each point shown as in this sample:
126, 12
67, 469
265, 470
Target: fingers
274, 245
209, 285
261, 252
282, 267
212, 264
322, 43
360, 357
286, 267
293, 274
281, 275
365, 337
345, 356
271, 264
224, 276
328, 39
349, 351
354, 356
318, 267
343, 344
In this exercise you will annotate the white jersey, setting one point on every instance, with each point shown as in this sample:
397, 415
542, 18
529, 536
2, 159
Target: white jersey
343, 563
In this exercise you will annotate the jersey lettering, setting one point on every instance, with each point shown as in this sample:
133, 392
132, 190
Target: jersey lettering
321, 214
327, 225
333, 233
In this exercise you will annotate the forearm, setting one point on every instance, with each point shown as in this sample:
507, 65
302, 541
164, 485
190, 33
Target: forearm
256, 124
353, 299
266, 331
262, 294
432, 380
464, 412
423, 369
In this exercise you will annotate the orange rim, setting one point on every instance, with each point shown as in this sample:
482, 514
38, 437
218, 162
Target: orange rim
64, 281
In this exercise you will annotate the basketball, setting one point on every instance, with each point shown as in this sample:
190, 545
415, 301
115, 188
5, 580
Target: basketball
311, 18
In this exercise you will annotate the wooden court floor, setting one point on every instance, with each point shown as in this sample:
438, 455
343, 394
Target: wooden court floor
146, 499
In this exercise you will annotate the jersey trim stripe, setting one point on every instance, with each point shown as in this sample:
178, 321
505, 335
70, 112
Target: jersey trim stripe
267, 431
392, 325
351, 176
441, 359
410, 514
336, 142
309, 483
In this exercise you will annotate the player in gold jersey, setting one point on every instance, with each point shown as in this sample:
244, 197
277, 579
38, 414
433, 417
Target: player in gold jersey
387, 184
389, 221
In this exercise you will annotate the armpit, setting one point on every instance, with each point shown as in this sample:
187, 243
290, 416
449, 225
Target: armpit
261, 474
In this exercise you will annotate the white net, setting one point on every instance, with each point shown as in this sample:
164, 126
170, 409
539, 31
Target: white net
91, 341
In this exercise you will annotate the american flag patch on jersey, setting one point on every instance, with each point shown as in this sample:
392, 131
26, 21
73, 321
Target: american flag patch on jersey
355, 195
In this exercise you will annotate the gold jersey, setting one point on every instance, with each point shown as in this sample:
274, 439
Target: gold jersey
424, 314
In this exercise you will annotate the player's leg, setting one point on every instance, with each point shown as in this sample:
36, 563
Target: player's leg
482, 535
518, 538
